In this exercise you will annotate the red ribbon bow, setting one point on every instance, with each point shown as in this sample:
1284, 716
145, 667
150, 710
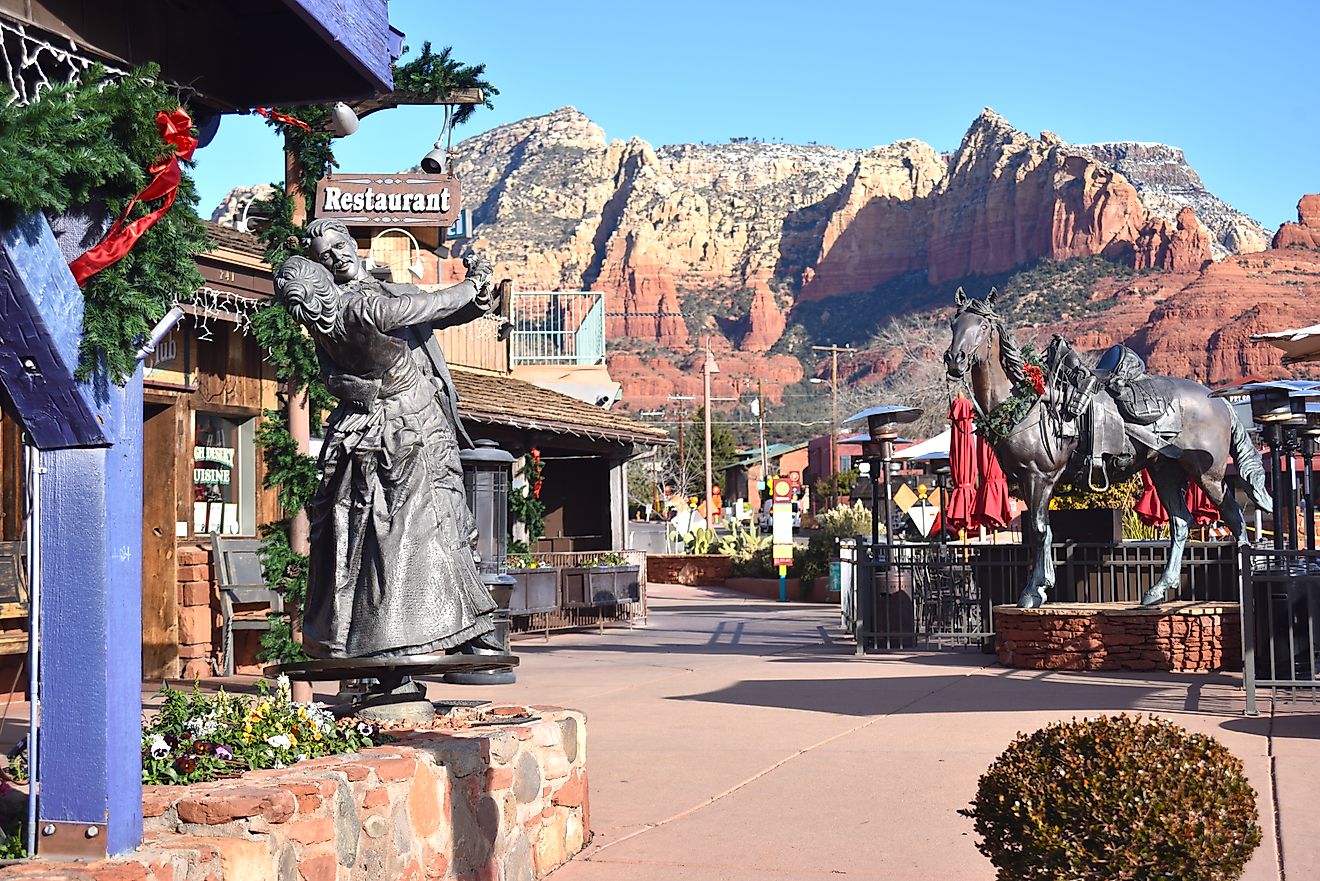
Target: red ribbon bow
176, 130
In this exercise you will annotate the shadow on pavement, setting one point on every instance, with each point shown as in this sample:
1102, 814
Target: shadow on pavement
989, 693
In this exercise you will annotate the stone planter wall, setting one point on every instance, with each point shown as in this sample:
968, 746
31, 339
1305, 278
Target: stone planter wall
1181, 637
485, 804
816, 591
689, 569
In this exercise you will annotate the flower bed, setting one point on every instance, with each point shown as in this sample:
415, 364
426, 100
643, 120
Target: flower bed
196, 736
475, 800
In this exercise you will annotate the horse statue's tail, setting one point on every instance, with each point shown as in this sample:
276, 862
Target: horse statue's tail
1250, 468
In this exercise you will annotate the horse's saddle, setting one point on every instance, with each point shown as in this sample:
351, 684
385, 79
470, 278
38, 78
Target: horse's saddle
1140, 408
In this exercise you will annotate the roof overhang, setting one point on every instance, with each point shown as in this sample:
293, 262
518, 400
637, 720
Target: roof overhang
259, 52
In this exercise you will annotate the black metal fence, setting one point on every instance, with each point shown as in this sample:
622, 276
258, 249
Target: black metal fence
1280, 621
916, 596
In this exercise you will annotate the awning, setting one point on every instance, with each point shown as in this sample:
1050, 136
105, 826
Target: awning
1298, 345
936, 447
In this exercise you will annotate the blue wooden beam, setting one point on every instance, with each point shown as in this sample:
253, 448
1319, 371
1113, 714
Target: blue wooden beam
90, 538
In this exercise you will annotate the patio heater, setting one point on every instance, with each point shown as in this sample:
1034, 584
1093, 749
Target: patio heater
882, 426
486, 473
1281, 408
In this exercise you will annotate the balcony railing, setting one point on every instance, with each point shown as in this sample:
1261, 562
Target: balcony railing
558, 327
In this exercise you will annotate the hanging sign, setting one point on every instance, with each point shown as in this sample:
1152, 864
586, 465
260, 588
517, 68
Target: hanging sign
460, 228
412, 199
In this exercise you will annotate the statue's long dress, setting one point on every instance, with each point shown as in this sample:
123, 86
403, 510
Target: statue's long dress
392, 571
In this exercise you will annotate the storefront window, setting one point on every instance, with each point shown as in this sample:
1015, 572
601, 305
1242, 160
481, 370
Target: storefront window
224, 472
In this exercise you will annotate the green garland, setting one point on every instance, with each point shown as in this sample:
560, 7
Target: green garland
89, 143
291, 352
999, 423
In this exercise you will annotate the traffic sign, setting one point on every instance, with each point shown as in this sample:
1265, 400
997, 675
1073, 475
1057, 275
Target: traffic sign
781, 490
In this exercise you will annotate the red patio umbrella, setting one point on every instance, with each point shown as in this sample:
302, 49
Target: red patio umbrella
960, 508
992, 508
1151, 510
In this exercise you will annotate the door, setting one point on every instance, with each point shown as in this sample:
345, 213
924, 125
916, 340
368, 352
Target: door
160, 511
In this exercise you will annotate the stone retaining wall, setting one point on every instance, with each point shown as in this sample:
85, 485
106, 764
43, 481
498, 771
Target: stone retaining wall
479, 804
689, 569
1182, 637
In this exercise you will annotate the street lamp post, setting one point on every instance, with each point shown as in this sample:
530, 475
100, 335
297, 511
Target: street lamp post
708, 369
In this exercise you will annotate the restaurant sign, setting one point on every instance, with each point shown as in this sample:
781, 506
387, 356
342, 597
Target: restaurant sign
412, 199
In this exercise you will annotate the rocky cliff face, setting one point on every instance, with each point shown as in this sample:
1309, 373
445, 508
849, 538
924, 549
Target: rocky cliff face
724, 239
1166, 185
742, 242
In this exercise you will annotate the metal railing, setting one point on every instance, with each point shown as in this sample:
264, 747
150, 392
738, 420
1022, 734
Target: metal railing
1280, 621
939, 596
558, 327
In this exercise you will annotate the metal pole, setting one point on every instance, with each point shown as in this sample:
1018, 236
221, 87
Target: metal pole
1274, 439
834, 425
1308, 489
32, 490
706, 371
876, 465
1290, 489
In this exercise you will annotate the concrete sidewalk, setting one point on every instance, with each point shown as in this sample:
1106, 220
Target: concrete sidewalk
734, 738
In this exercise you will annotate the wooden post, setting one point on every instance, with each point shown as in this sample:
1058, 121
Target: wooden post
299, 417
88, 540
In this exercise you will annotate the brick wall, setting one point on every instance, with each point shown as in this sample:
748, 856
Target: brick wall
199, 611
1180, 637
490, 804
707, 569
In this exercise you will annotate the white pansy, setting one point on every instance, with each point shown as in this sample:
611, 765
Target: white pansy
159, 748
279, 741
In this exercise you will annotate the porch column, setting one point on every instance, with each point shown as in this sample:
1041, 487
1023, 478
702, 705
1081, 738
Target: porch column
618, 503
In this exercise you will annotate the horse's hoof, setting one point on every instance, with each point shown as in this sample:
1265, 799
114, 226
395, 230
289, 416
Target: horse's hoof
1032, 598
1153, 597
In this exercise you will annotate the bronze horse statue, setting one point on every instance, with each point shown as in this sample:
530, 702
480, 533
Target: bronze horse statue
1192, 440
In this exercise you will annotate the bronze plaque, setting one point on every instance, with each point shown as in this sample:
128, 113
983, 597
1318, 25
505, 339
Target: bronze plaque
410, 199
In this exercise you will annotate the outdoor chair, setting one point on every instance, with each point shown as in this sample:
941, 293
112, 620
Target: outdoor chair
241, 584
13, 597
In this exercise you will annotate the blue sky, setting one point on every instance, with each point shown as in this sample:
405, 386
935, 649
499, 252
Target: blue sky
1233, 84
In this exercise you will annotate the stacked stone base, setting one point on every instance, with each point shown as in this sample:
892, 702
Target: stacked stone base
1180, 637
480, 804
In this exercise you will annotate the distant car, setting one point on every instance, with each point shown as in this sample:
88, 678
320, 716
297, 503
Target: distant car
764, 519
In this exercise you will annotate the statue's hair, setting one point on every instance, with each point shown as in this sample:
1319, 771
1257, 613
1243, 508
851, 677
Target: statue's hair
308, 291
323, 225
1010, 354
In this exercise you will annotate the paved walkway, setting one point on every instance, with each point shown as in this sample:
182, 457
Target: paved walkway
735, 738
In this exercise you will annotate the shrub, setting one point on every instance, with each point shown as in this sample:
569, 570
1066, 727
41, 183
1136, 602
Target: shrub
846, 521
1116, 798
1069, 497
198, 737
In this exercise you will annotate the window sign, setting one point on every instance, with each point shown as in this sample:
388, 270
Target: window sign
224, 489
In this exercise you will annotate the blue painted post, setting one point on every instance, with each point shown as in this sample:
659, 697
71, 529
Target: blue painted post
783, 584
90, 536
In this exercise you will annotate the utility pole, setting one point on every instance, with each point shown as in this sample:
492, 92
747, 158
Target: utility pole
682, 449
760, 415
708, 368
834, 411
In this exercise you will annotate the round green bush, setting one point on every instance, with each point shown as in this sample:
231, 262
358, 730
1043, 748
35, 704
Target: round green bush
1116, 797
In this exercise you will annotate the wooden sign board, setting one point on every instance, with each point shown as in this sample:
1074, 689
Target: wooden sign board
409, 200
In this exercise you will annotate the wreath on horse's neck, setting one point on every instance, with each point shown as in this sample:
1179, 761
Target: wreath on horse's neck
1025, 372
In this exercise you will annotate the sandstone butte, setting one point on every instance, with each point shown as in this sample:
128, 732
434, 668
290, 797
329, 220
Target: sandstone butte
722, 241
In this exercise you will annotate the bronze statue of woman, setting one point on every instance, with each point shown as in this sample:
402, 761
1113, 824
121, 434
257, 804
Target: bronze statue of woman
392, 572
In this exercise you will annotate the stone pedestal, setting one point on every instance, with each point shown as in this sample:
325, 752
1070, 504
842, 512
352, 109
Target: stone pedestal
1180, 637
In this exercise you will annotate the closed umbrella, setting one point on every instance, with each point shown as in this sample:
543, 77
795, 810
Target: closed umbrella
960, 508
1151, 510
992, 507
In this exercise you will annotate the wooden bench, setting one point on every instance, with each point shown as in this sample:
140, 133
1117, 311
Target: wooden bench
240, 581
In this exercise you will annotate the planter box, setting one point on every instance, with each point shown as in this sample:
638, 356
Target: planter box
586, 586
534, 590
1103, 525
